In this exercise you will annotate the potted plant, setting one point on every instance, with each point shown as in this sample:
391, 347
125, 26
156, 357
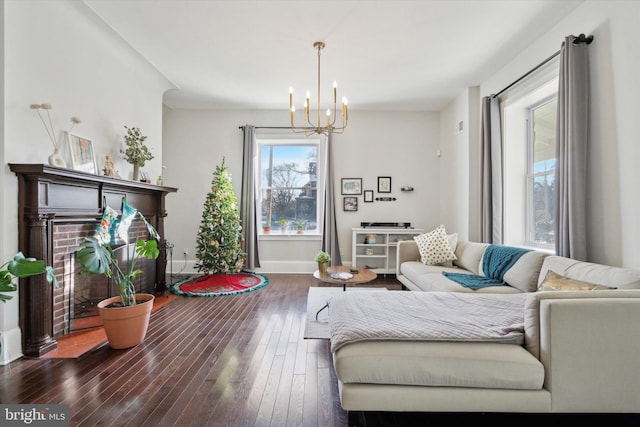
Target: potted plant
137, 153
299, 225
283, 225
20, 267
125, 317
323, 259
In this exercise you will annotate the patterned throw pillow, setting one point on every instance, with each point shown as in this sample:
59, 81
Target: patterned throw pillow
555, 282
434, 247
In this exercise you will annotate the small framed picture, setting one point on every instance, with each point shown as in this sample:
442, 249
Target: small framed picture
368, 196
83, 157
384, 184
351, 186
350, 204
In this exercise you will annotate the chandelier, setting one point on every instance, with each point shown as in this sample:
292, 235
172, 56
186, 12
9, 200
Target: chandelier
309, 128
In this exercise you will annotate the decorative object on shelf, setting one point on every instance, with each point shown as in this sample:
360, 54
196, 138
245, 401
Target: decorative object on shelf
136, 153
310, 128
323, 259
350, 204
386, 199
83, 157
300, 223
159, 181
369, 251
283, 225
370, 239
109, 168
351, 186
219, 237
384, 184
55, 159
407, 188
368, 196
125, 317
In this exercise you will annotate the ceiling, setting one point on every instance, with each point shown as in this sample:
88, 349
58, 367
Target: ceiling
385, 55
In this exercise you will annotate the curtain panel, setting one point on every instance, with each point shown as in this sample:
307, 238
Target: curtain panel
330, 230
571, 150
491, 199
248, 198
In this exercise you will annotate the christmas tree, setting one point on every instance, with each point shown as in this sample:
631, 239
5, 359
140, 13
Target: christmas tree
220, 233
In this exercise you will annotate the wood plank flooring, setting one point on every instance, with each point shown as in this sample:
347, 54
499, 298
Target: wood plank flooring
229, 361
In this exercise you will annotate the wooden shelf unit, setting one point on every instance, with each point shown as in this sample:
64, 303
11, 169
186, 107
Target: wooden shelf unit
382, 257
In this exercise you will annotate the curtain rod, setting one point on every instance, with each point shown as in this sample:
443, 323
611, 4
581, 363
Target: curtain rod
580, 39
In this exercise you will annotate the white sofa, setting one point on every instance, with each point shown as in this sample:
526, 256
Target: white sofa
581, 354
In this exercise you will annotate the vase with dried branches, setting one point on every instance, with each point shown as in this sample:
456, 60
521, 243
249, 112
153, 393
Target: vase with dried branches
56, 158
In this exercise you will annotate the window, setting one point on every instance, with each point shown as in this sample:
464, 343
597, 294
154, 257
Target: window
291, 179
541, 191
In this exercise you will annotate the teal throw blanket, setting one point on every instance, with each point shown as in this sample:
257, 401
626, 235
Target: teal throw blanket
497, 260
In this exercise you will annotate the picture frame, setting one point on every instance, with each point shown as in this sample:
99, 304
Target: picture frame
368, 196
83, 157
351, 186
384, 184
350, 204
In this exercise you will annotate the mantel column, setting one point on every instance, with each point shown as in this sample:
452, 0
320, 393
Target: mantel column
36, 295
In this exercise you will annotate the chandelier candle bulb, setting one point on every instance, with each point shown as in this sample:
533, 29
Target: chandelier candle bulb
335, 91
291, 97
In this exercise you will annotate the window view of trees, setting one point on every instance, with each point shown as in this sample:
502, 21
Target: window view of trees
542, 197
288, 183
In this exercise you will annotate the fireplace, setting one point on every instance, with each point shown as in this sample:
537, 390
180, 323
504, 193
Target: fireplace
57, 208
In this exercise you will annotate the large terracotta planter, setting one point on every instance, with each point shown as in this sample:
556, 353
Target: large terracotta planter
126, 326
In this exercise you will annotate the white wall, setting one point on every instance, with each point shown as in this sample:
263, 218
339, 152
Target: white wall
397, 144
58, 52
614, 201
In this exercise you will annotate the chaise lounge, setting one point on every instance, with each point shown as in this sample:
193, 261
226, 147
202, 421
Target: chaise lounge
559, 352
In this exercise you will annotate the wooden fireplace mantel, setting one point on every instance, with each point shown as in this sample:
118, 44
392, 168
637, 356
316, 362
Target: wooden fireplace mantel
49, 194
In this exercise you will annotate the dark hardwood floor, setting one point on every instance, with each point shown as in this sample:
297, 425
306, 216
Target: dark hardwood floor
229, 361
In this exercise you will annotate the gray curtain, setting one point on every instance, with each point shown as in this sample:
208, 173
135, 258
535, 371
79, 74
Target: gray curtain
491, 224
571, 150
248, 198
330, 231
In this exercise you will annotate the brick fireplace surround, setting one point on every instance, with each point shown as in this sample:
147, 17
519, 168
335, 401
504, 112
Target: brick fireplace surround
57, 208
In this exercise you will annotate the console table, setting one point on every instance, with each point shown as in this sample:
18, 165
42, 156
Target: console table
49, 196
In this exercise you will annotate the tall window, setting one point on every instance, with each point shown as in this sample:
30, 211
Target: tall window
290, 182
541, 194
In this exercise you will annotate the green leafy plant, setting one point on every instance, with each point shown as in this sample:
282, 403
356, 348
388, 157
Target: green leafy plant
322, 257
137, 153
96, 257
20, 267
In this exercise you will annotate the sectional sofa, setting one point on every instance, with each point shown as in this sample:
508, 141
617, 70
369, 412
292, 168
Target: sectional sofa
580, 350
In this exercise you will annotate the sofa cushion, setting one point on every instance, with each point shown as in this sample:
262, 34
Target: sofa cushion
599, 274
556, 282
442, 364
469, 255
434, 247
523, 275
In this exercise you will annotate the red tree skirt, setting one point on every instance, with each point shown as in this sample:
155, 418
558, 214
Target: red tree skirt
213, 285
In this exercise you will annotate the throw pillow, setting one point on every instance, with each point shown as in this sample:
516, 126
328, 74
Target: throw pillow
555, 282
434, 247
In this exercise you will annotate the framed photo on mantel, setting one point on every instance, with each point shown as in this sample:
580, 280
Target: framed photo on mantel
83, 157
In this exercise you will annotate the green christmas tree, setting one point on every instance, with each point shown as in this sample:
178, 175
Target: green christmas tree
220, 233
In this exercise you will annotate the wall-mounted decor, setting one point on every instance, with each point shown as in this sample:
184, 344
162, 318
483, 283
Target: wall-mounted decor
351, 185
368, 196
350, 204
384, 184
386, 199
82, 155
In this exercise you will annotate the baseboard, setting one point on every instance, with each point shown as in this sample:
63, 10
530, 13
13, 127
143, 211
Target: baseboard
11, 342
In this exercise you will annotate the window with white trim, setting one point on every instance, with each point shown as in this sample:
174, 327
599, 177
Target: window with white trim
291, 182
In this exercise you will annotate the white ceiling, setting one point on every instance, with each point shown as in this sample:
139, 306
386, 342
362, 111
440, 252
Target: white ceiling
385, 55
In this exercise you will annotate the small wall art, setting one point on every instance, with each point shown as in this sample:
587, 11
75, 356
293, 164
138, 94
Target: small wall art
82, 155
351, 186
384, 184
368, 196
350, 204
